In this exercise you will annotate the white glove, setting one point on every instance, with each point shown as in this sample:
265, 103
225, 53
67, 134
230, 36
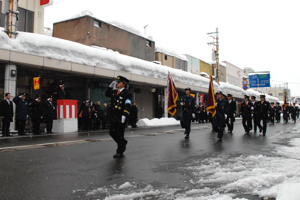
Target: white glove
252, 108
123, 119
233, 114
225, 115
27, 116
113, 84
20, 96
193, 115
251, 115
41, 117
216, 104
181, 103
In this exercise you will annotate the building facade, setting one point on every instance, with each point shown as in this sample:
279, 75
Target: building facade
234, 74
193, 64
91, 31
171, 59
31, 16
278, 91
206, 67
222, 71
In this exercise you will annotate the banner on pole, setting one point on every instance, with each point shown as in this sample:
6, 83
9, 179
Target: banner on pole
36, 83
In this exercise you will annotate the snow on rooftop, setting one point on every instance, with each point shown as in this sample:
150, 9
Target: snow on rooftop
74, 52
170, 53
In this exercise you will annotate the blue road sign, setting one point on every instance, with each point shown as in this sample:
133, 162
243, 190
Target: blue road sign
245, 87
259, 80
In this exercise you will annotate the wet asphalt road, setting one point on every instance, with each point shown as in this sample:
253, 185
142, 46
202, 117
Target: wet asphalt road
54, 166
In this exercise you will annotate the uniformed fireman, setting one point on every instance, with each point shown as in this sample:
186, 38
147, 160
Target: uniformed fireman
277, 112
221, 115
263, 112
293, 111
49, 110
231, 113
120, 111
272, 113
246, 114
187, 103
36, 115
254, 116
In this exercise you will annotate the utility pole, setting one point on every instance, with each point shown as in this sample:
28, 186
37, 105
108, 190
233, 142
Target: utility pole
215, 36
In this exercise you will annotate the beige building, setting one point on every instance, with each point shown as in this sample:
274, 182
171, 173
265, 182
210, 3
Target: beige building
278, 91
234, 74
171, 59
222, 71
31, 16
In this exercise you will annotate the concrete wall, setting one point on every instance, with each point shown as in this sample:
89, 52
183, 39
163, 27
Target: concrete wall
222, 72
206, 67
145, 102
82, 30
234, 74
193, 64
181, 64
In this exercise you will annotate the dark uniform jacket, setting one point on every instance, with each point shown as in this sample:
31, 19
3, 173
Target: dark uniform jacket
246, 110
86, 111
99, 111
188, 103
263, 109
37, 110
6, 110
22, 110
134, 114
272, 110
61, 94
277, 109
49, 110
120, 104
231, 108
222, 107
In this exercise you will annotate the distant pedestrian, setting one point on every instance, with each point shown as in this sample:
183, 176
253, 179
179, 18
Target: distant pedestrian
22, 112
254, 115
105, 116
133, 115
6, 113
263, 114
231, 113
187, 103
99, 114
272, 113
36, 115
49, 114
86, 115
278, 112
120, 111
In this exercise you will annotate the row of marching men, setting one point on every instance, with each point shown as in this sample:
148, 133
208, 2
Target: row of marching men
25, 108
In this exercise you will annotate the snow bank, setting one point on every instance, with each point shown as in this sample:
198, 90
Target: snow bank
157, 122
74, 52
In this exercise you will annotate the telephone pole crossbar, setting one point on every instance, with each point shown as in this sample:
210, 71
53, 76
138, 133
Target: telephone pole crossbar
215, 36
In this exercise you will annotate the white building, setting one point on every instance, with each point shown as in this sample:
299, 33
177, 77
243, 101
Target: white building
234, 74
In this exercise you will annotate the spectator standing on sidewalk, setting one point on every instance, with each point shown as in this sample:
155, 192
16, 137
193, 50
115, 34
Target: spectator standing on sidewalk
6, 113
133, 115
49, 114
105, 116
22, 112
36, 115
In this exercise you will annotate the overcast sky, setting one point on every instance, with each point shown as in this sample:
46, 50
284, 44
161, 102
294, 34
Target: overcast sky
261, 34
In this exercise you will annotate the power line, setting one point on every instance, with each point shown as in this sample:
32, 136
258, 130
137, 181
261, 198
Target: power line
286, 82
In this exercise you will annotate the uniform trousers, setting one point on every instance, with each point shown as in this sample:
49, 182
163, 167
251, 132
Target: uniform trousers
264, 126
5, 127
49, 123
247, 123
20, 126
185, 121
220, 124
229, 122
36, 126
116, 131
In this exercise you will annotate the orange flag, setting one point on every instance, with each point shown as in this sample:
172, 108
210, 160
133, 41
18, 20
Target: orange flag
172, 96
36, 83
211, 101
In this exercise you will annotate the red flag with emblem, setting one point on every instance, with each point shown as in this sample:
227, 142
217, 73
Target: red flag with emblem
36, 83
211, 101
172, 96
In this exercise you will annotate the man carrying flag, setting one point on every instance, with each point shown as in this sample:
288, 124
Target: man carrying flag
172, 96
211, 102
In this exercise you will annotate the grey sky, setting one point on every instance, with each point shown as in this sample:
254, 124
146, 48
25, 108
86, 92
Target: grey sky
262, 34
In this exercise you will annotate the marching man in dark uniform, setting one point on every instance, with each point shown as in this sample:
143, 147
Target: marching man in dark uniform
286, 112
231, 113
49, 114
222, 109
36, 114
246, 114
277, 112
293, 111
263, 113
272, 113
22, 112
188, 111
254, 116
6, 113
120, 111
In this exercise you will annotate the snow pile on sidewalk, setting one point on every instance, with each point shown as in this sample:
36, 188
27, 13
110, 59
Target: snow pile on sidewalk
157, 122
